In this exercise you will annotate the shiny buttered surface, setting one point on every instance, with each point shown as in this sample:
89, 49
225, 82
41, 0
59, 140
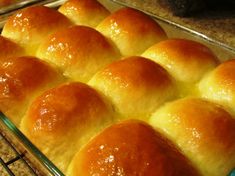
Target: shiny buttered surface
9, 48
203, 131
131, 31
130, 148
84, 12
135, 85
106, 93
219, 85
62, 118
186, 60
22, 79
79, 51
30, 26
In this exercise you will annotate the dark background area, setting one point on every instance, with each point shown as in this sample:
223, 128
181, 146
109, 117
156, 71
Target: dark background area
193, 7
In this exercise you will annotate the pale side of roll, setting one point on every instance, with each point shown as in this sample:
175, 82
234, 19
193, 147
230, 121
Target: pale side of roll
131, 30
29, 26
84, 12
204, 132
219, 85
79, 51
62, 119
21, 79
186, 60
130, 148
135, 85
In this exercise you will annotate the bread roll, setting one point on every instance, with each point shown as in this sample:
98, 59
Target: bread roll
83, 42
60, 120
84, 12
186, 60
9, 49
21, 79
79, 51
219, 85
28, 27
204, 131
135, 85
131, 30
130, 148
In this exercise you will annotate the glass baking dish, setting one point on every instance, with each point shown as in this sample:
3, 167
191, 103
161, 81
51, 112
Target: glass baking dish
23, 153
17, 4
39, 164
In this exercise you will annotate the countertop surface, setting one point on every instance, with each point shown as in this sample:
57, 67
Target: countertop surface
11, 159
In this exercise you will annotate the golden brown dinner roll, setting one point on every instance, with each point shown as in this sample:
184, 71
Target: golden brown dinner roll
84, 12
79, 51
130, 148
21, 79
204, 131
131, 30
185, 60
135, 85
219, 85
9, 49
28, 27
60, 120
